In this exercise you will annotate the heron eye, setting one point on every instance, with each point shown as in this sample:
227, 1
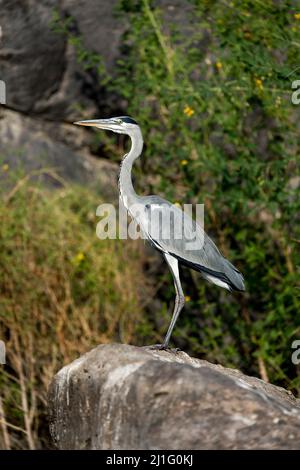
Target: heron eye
120, 121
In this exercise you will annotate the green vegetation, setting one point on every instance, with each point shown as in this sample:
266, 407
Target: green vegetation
213, 98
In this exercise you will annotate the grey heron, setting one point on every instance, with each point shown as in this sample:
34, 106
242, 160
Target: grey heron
206, 259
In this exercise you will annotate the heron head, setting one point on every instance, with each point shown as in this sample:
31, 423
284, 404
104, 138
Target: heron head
121, 125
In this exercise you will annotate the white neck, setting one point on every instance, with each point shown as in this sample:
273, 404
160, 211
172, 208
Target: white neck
127, 192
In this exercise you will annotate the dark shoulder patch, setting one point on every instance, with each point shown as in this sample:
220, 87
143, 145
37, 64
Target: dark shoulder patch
129, 120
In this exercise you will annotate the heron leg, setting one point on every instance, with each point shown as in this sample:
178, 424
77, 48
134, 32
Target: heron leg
179, 300
179, 303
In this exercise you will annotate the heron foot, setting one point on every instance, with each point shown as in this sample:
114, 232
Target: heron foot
162, 347
158, 347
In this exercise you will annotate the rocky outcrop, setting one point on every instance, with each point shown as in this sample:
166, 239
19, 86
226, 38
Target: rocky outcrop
47, 89
125, 397
31, 55
38, 65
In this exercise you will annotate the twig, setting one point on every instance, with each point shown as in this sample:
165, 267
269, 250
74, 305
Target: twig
22, 181
3, 423
262, 369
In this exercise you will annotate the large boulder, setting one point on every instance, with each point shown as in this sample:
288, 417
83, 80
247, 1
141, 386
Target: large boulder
40, 68
125, 397
47, 89
32, 57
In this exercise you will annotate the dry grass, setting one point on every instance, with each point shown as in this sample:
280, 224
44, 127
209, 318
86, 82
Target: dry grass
62, 292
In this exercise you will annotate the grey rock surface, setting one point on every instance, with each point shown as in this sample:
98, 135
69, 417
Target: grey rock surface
49, 89
124, 397
38, 65
32, 144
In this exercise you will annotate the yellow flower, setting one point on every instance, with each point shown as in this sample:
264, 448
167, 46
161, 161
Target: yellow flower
187, 298
184, 162
188, 111
259, 83
219, 65
297, 16
177, 204
79, 257
5, 167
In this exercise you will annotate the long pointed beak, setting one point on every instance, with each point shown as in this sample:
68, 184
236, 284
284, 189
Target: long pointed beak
90, 122
106, 124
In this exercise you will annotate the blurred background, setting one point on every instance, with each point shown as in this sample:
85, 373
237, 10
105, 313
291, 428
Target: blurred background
210, 83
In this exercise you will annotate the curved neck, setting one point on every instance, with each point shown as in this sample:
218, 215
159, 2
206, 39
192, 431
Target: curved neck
127, 192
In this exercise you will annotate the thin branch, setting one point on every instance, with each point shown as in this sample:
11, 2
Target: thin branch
3, 423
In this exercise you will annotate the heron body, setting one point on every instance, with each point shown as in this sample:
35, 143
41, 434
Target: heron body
193, 248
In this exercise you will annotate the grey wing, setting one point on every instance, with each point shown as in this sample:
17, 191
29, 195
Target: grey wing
174, 231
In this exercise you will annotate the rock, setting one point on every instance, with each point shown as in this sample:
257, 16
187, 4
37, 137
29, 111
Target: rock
40, 68
32, 144
124, 397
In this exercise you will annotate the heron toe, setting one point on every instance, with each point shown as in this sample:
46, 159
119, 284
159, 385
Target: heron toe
158, 347
162, 347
